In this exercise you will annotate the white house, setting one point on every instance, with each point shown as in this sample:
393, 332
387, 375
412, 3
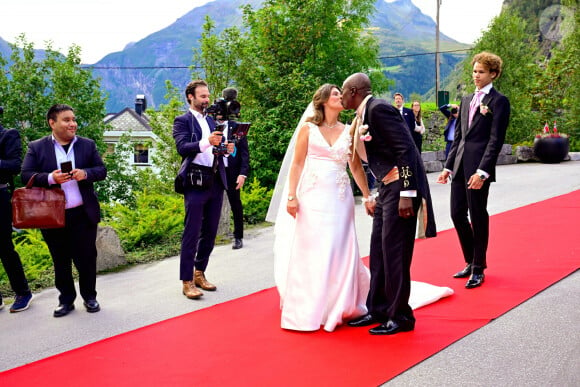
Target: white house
135, 123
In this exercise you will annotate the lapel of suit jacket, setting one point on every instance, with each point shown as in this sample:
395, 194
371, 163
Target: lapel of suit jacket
51, 158
465, 114
195, 128
486, 100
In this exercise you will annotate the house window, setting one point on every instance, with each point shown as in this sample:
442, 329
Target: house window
110, 148
141, 155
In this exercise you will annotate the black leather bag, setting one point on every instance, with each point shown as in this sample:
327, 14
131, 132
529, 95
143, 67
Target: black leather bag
200, 177
193, 176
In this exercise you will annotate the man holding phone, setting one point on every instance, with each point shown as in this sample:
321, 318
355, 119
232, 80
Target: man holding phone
196, 137
79, 166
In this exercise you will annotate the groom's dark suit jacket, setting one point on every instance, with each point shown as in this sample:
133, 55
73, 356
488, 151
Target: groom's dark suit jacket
389, 147
41, 159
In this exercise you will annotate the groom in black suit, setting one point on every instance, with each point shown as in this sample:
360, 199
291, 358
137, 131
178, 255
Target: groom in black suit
479, 135
396, 163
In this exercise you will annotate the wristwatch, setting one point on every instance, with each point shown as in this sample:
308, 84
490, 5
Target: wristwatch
290, 198
482, 177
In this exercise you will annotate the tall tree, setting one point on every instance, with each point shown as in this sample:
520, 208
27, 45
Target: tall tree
507, 37
287, 50
30, 85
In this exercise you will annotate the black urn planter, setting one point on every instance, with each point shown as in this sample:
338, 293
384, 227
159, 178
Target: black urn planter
551, 149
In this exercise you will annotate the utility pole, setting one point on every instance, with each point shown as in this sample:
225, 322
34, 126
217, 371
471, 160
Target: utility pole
437, 55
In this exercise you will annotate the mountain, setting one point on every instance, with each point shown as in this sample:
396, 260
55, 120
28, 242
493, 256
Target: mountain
405, 34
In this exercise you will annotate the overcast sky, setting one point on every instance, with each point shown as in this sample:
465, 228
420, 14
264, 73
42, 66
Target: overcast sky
100, 27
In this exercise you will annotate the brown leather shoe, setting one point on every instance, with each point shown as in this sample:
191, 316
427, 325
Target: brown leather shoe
202, 282
190, 291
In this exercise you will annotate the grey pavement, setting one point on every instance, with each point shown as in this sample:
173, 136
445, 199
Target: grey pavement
534, 344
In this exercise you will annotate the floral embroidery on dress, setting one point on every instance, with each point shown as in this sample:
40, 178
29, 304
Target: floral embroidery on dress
339, 152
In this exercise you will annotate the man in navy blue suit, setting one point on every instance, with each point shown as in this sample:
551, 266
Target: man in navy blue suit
196, 139
76, 241
409, 118
481, 129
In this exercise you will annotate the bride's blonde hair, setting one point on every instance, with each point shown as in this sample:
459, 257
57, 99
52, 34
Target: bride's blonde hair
320, 97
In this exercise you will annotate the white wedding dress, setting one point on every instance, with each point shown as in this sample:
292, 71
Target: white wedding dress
317, 268
320, 276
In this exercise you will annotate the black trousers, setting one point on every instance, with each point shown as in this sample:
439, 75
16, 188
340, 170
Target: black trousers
202, 216
74, 243
392, 244
9, 256
473, 236
234, 197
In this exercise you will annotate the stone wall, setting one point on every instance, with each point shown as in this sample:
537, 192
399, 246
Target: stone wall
434, 161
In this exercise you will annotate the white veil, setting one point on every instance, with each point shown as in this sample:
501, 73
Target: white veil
278, 205
284, 223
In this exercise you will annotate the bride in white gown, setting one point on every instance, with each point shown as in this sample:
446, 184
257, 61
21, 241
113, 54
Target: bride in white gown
318, 271
319, 274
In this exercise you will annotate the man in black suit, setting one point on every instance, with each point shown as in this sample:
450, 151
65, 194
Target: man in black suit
196, 138
76, 242
237, 171
395, 161
409, 118
237, 164
479, 135
10, 161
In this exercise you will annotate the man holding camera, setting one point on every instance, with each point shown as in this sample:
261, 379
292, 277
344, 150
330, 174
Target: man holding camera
73, 163
204, 178
449, 132
10, 161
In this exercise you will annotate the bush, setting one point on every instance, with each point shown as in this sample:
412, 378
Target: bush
255, 200
156, 219
35, 259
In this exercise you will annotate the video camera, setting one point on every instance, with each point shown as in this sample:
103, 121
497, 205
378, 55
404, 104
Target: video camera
225, 109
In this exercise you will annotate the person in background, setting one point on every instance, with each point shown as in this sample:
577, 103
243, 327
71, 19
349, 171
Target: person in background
409, 118
419, 129
195, 138
10, 162
237, 170
449, 132
479, 134
76, 241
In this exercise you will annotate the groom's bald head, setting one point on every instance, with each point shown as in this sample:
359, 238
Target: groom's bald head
354, 90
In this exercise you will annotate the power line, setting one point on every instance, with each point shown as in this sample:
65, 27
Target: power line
93, 67
423, 53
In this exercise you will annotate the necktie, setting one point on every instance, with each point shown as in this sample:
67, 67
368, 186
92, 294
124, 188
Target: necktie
475, 101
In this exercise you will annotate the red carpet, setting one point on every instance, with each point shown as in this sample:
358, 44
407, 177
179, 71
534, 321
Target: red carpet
539, 241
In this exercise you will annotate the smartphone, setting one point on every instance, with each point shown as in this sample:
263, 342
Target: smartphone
66, 167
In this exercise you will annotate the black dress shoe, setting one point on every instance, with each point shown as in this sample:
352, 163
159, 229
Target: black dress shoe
92, 306
463, 273
238, 244
475, 280
363, 321
63, 310
391, 327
